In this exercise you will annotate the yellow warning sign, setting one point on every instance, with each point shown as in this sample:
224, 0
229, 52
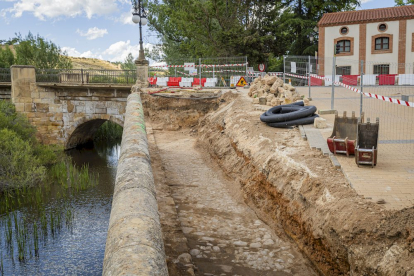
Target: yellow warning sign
242, 82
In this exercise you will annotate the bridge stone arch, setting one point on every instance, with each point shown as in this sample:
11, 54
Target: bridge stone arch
82, 130
65, 113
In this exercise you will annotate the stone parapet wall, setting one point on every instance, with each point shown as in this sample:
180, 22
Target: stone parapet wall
134, 244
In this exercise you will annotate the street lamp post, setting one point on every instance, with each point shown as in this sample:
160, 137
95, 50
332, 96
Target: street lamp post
139, 16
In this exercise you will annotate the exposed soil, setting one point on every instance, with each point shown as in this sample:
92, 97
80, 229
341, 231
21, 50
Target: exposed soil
294, 190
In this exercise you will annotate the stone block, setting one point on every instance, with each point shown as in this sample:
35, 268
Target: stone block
47, 95
112, 111
80, 109
28, 107
42, 107
35, 95
100, 110
90, 107
19, 107
319, 123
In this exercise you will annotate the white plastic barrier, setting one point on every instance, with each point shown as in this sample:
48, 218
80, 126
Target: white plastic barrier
406, 79
328, 79
162, 81
370, 79
210, 82
186, 82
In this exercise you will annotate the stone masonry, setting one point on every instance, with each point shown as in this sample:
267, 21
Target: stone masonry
67, 115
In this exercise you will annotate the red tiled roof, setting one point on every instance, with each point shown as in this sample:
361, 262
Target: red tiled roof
366, 16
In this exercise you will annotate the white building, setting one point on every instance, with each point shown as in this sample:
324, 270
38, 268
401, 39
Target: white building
382, 38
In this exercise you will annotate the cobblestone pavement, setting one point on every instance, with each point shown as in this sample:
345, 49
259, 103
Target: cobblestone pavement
224, 235
393, 178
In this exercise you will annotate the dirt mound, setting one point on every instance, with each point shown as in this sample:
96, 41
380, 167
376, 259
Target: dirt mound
287, 183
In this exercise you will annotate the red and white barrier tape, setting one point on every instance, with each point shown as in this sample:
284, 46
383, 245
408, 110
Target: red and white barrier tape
375, 96
196, 65
190, 75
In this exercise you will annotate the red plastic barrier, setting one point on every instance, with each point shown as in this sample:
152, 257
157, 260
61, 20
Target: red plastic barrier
197, 81
152, 81
316, 82
174, 81
386, 79
350, 79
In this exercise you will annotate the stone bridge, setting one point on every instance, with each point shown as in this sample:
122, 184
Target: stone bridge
66, 114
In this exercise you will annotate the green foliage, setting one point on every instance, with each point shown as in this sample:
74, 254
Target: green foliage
109, 131
22, 158
129, 63
36, 51
256, 28
6, 57
11, 120
18, 164
403, 3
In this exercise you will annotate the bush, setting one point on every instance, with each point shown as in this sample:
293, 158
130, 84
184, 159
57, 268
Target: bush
18, 164
22, 157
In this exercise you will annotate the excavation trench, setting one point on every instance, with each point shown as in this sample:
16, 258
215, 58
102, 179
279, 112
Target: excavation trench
237, 197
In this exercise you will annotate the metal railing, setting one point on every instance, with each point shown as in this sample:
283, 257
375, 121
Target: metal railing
86, 76
5, 75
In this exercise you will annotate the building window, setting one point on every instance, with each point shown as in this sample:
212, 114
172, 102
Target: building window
382, 43
343, 70
381, 69
344, 46
382, 27
344, 30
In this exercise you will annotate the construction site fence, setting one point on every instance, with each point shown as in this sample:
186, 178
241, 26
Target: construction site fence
227, 70
379, 89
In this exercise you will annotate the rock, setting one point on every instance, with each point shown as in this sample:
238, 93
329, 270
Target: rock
278, 82
260, 92
319, 123
381, 201
190, 271
269, 103
271, 80
216, 249
240, 243
207, 239
184, 258
268, 242
306, 101
250, 93
275, 102
255, 100
262, 100
267, 88
194, 252
255, 245
281, 90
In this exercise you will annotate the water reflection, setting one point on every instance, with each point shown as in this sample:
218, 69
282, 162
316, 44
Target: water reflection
76, 249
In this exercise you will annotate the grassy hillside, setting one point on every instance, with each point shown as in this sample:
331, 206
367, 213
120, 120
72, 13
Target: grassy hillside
92, 63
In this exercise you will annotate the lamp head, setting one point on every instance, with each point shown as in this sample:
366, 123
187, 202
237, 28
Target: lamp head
135, 18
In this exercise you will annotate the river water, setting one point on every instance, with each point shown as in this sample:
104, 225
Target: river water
76, 248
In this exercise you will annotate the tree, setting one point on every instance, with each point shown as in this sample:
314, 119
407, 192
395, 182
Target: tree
403, 3
129, 63
6, 57
256, 28
37, 51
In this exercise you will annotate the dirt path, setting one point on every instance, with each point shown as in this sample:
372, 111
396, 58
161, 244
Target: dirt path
224, 235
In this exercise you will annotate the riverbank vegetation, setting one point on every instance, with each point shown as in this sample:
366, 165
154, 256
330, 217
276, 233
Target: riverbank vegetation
23, 160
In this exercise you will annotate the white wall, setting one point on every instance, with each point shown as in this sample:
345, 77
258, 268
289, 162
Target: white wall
332, 33
388, 58
409, 55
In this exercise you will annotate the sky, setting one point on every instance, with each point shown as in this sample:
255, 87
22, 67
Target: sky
89, 28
